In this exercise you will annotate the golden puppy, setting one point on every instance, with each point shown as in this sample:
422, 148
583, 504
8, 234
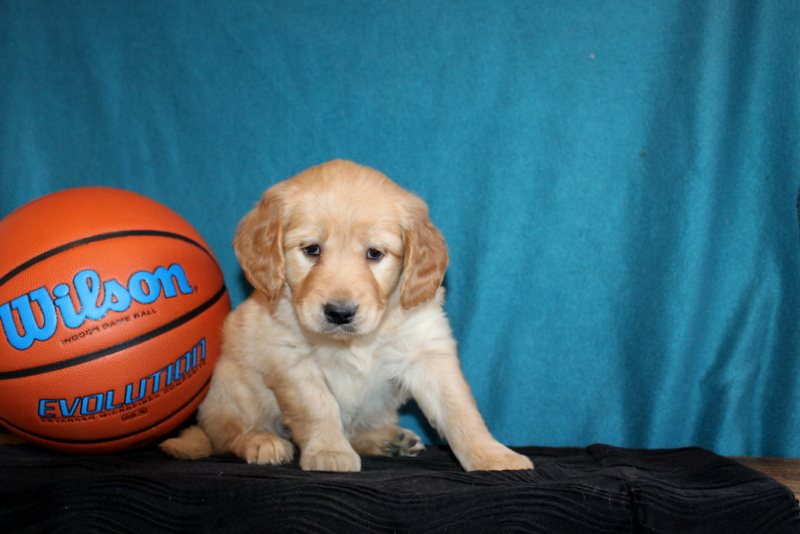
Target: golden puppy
345, 324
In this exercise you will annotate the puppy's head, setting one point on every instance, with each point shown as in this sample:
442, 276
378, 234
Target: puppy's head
342, 239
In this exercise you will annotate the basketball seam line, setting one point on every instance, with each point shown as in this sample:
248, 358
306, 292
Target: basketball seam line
93, 239
115, 438
84, 358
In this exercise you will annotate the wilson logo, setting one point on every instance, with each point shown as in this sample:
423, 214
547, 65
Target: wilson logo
95, 299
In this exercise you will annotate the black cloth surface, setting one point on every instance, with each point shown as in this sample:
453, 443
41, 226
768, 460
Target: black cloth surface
592, 490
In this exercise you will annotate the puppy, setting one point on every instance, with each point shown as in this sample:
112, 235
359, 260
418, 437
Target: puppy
345, 324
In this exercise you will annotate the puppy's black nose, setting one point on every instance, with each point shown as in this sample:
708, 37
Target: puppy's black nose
340, 313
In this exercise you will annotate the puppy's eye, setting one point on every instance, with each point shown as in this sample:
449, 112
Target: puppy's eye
374, 254
312, 250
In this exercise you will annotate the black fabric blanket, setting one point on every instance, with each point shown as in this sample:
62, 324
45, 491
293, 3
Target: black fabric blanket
593, 490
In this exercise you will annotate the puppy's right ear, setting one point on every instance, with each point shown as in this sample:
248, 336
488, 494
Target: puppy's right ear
259, 245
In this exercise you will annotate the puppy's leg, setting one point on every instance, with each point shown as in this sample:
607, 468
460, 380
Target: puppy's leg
242, 417
312, 414
191, 444
436, 382
389, 440
238, 416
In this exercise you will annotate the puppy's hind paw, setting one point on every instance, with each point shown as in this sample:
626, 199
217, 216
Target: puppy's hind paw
389, 440
404, 443
191, 444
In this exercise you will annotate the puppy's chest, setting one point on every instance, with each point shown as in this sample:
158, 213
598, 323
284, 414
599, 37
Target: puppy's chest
360, 375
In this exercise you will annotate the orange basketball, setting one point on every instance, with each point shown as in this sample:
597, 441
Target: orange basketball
111, 307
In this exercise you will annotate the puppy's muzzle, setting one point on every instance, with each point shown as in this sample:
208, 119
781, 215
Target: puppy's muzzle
340, 313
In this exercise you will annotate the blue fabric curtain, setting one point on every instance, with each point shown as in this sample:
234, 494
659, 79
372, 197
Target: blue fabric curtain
617, 180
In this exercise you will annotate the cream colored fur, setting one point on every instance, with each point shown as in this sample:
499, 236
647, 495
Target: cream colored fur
345, 324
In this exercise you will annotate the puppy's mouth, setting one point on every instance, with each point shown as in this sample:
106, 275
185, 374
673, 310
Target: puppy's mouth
343, 329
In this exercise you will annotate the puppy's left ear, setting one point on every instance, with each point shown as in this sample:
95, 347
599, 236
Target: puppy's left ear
259, 245
426, 256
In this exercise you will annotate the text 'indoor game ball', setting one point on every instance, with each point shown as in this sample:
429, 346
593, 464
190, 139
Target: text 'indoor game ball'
111, 308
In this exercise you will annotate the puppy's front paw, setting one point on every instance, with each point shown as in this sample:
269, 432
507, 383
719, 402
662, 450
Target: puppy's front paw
494, 457
264, 448
330, 460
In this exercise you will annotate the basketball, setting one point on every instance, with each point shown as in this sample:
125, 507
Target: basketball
111, 309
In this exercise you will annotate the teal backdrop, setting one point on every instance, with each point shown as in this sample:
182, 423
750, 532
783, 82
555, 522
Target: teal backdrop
617, 180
